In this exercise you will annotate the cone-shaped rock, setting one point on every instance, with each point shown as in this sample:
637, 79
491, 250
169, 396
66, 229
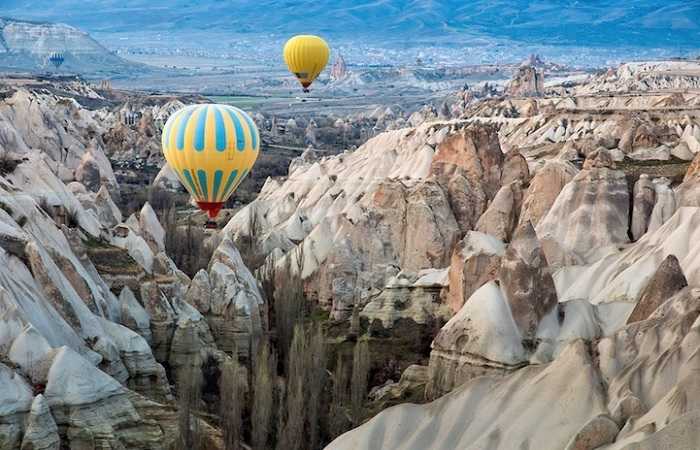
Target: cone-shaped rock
41, 433
501, 217
544, 189
526, 280
665, 283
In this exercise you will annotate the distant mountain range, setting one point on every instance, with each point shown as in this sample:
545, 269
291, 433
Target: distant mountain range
633, 23
26, 46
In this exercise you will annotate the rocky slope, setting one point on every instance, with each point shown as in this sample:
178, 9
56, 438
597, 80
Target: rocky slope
26, 46
96, 321
546, 246
567, 227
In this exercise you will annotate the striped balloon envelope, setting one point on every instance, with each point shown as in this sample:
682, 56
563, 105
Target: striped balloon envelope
211, 148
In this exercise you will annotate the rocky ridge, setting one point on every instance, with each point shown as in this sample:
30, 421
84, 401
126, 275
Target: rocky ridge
87, 294
541, 244
604, 198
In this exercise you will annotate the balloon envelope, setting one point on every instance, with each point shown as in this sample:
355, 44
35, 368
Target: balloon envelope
306, 57
56, 59
211, 148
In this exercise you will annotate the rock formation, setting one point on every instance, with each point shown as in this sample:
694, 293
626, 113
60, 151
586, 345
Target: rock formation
570, 387
664, 204
414, 297
557, 300
41, 432
544, 188
339, 70
527, 81
665, 283
590, 215
501, 217
475, 261
498, 328
643, 205
526, 281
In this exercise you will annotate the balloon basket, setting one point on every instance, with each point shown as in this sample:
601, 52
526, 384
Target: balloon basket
211, 225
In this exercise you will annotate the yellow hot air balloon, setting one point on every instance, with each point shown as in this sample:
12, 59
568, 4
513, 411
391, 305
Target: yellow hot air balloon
306, 56
211, 148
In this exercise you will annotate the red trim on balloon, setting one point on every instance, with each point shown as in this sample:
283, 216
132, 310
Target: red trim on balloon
211, 208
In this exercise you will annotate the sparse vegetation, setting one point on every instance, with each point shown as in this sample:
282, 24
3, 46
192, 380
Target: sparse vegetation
160, 199
247, 245
284, 289
264, 375
360, 378
306, 376
339, 420
189, 395
186, 244
231, 394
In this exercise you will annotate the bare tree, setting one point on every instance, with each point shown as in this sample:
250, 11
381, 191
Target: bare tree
186, 244
338, 419
264, 367
160, 199
289, 302
316, 378
281, 411
231, 390
247, 243
293, 429
360, 375
189, 395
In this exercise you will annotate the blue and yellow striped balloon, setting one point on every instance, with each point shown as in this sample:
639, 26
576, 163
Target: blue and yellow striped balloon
211, 148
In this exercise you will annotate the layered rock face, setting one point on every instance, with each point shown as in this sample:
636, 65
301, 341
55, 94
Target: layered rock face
228, 297
64, 131
644, 76
65, 254
512, 223
689, 190
527, 81
417, 297
568, 388
475, 261
399, 201
26, 46
60, 326
544, 189
597, 286
640, 126
589, 217
503, 323
643, 205
615, 409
